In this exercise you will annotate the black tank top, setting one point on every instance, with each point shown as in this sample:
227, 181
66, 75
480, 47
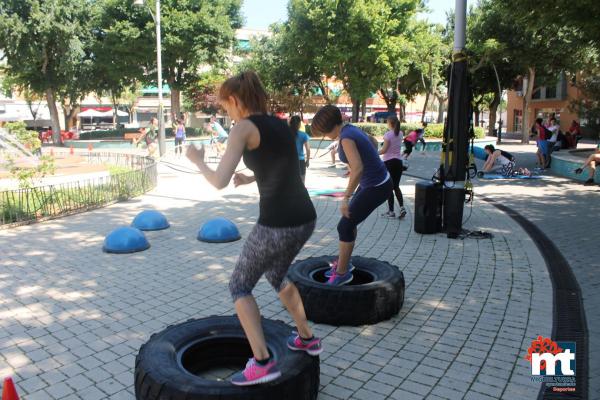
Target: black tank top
284, 201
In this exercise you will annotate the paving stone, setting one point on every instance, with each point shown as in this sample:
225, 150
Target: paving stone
464, 299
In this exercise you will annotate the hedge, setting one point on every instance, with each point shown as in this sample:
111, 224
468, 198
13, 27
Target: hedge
432, 130
118, 133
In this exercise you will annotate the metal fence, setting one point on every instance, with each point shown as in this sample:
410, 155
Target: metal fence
22, 206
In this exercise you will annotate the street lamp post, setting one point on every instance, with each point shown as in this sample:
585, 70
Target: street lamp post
161, 118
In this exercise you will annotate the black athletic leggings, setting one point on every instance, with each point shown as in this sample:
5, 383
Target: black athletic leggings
363, 203
394, 167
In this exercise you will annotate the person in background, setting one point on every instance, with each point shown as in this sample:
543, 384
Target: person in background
554, 143
392, 158
179, 137
409, 142
499, 161
302, 143
590, 164
332, 149
573, 135
219, 134
542, 143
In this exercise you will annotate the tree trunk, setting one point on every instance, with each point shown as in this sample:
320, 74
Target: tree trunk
54, 116
477, 113
355, 110
425, 107
175, 103
363, 109
441, 109
493, 110
403, 112
114, 104
528, 92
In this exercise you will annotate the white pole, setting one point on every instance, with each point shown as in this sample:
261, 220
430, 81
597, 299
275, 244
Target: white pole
161, 119
460, 25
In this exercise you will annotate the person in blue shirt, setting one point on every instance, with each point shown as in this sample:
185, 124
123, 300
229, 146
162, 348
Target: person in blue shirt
220, 135
302, 142
366, 169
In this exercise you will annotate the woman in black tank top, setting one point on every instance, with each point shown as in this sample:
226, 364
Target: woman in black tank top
286, 220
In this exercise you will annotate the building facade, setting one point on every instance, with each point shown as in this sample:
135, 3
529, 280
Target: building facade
546, 101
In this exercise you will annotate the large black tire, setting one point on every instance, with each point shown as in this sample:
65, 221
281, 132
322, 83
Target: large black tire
166, 367
375, 294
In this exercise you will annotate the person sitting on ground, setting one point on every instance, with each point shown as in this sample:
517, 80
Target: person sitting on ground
302, 143
498, 161
421, 135
590, 164
409, 142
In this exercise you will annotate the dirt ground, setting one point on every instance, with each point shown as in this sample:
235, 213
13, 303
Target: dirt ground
64, 165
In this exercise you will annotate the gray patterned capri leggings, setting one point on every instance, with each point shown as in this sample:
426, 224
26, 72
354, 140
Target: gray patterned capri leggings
269, 251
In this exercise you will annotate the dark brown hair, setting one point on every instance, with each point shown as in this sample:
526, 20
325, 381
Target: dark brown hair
248, 89
490, 147
326, 119
295, 122
392, 119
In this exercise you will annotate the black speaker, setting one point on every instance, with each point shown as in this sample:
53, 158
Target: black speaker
454, 203
428, 207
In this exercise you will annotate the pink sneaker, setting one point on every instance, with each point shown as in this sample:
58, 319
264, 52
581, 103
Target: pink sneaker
312, 346
333, 268
254, 373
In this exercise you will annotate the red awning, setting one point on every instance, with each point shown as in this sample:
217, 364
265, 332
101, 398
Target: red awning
102, 109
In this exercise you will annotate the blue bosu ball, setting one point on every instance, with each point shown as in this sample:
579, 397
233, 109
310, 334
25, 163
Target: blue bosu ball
125, 240
218, 230
150, 220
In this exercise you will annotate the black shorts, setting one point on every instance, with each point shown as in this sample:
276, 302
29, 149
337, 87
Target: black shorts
178, 141
408, 147
302, 164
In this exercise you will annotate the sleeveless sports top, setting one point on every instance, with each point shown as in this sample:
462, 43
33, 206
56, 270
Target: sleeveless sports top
284, 201
374, 171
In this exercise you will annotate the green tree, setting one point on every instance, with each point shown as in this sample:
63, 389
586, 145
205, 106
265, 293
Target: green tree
357, 39
202, 96
195, 33
534, 50
46, 47
123, 50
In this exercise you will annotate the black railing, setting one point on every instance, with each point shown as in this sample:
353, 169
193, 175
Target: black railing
22, 206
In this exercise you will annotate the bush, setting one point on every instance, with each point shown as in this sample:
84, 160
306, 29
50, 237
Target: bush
118, 133
29, 139
432, 130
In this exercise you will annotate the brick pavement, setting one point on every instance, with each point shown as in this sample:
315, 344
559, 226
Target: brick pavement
566, 211
72, 318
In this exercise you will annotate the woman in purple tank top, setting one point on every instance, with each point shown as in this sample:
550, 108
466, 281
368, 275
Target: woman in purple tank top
366, 169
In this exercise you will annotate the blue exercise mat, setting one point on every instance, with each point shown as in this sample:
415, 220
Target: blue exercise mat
499, 176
